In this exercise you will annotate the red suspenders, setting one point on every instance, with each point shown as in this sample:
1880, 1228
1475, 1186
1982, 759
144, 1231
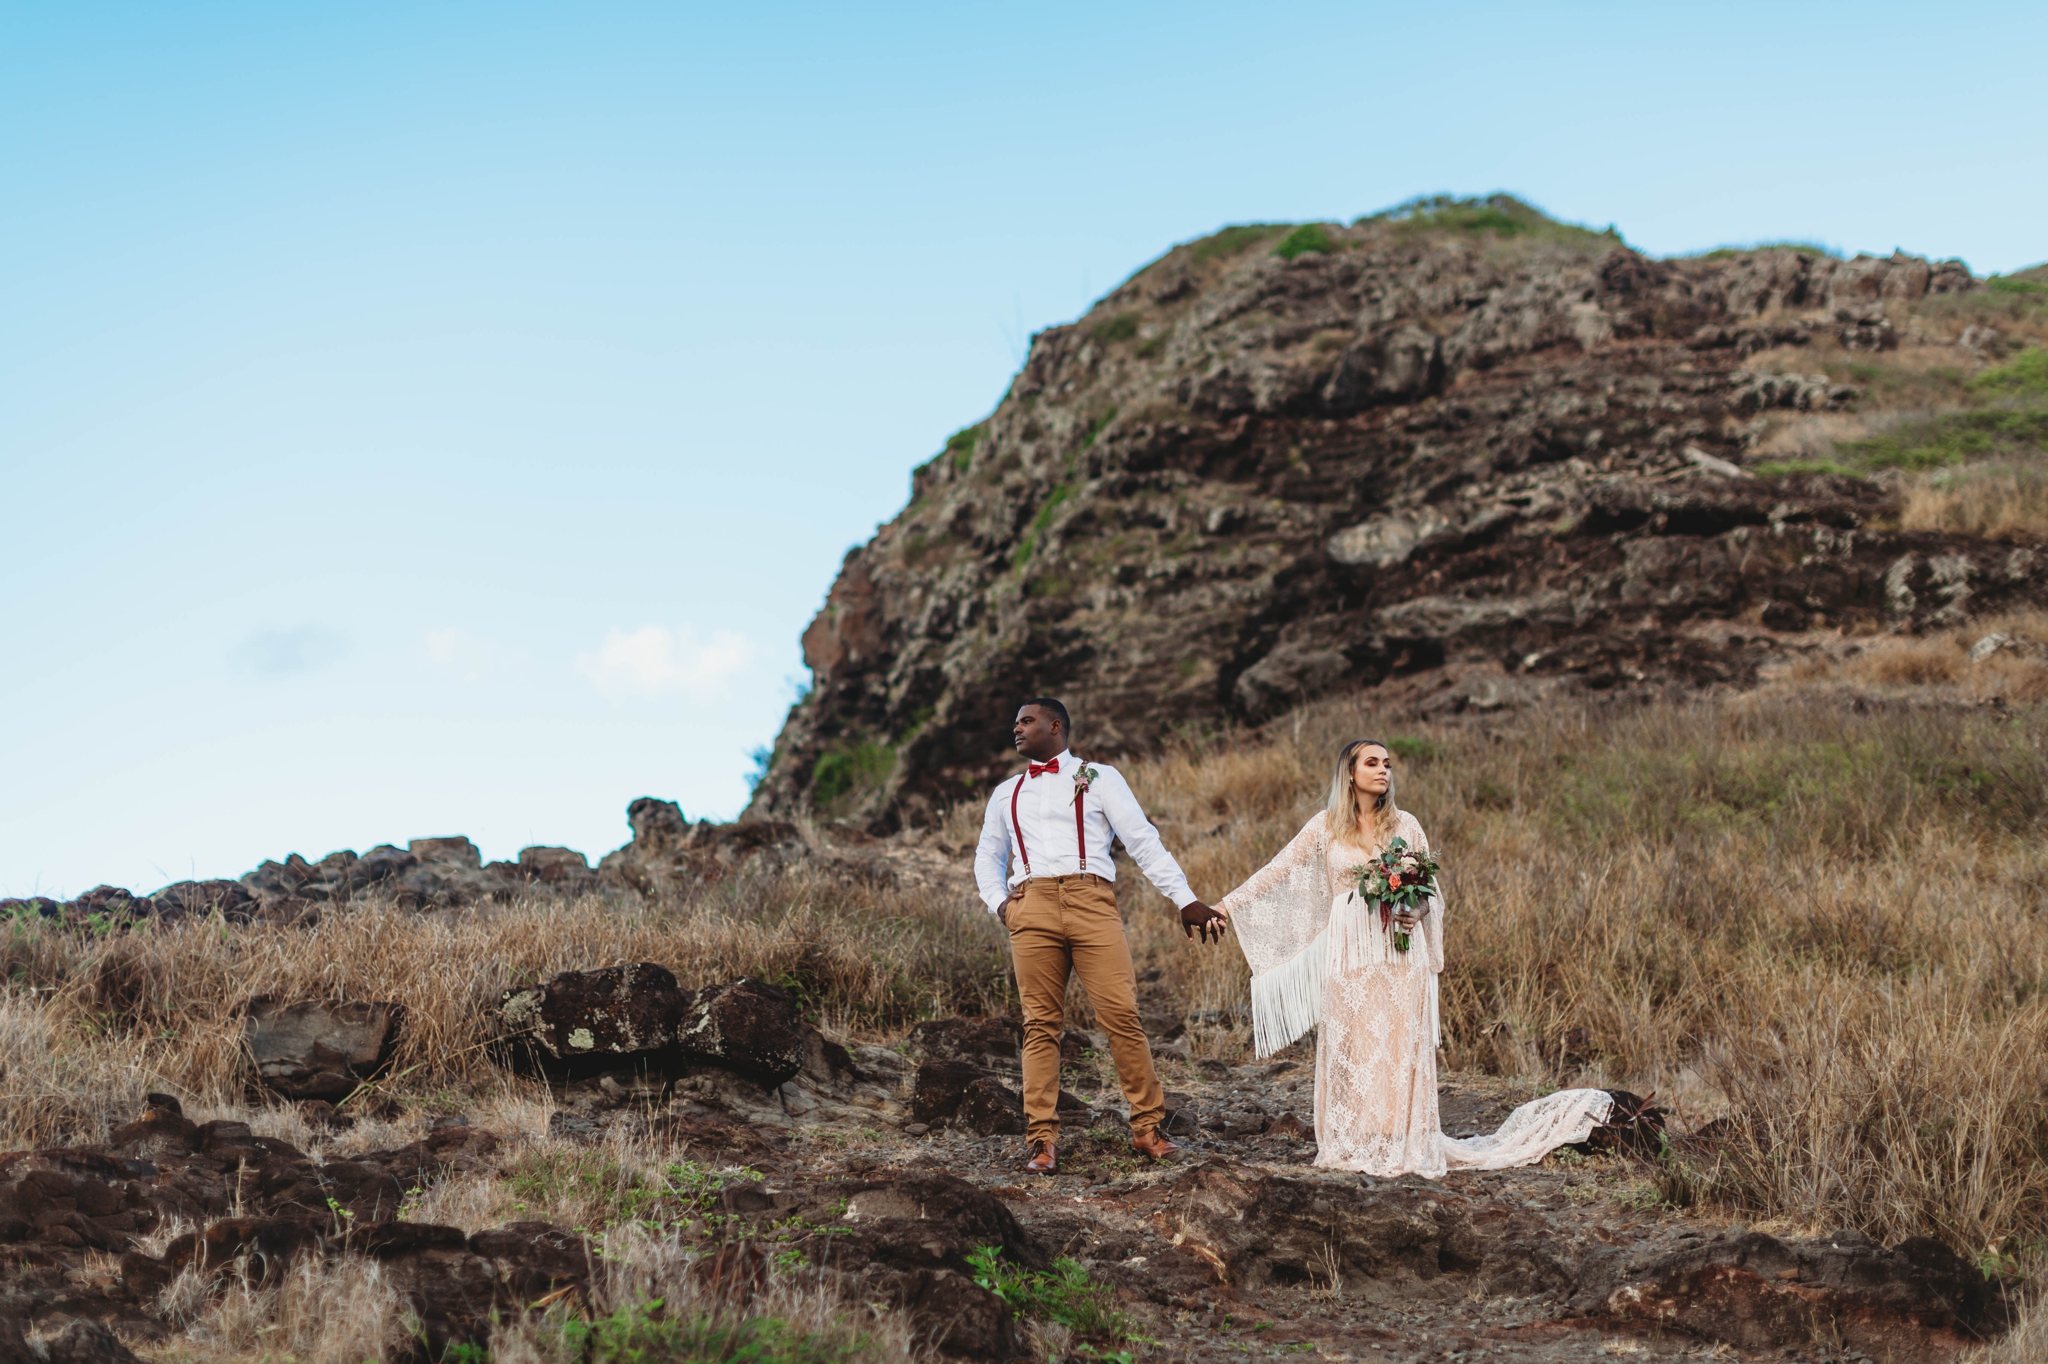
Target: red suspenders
1080, 833
1022, 851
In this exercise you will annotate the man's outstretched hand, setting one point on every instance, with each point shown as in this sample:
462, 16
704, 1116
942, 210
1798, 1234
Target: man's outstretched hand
1210, 922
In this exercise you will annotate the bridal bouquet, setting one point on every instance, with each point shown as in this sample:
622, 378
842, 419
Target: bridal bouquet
1401, 875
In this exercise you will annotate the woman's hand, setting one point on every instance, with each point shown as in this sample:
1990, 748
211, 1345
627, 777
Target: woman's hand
1205, 920
1405, 918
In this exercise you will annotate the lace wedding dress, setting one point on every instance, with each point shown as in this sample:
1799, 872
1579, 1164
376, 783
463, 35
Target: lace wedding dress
1319, 956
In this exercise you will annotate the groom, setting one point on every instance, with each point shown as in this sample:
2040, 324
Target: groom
1044, 869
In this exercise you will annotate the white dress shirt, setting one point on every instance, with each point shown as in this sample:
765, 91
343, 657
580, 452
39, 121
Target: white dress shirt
1044, 813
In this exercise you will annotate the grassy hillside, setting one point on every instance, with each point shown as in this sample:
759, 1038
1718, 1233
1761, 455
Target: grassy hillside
1810, 917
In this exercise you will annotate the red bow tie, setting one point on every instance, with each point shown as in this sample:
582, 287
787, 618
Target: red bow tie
1052, 767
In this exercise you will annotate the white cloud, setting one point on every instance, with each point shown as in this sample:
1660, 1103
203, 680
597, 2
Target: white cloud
657, 661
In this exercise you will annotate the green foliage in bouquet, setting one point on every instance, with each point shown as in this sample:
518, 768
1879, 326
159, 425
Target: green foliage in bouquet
1402, 876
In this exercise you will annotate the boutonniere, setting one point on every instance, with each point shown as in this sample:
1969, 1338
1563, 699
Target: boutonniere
1084, 779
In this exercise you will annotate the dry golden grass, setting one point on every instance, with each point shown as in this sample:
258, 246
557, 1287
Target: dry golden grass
337, 1312
90, 1025
1911, 377
1995, 501
1940, 660
1821, 924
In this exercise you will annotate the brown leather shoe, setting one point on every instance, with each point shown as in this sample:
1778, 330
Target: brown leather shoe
1045, 1160
1153, 1144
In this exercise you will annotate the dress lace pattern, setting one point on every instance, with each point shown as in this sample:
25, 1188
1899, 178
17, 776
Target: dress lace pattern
1376, 1092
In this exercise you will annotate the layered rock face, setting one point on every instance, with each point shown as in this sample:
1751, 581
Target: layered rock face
1482, 467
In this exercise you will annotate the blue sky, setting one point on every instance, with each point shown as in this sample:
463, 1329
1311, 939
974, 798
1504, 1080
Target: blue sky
444, 418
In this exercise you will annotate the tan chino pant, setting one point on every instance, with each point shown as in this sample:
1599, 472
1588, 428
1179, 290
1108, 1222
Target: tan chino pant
1066, 924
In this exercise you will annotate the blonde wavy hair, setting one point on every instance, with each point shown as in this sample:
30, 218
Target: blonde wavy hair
1343, 808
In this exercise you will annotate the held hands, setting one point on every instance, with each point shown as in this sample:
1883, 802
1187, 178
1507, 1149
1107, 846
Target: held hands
1206, 920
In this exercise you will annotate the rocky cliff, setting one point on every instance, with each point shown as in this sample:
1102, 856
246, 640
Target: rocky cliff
1459, 453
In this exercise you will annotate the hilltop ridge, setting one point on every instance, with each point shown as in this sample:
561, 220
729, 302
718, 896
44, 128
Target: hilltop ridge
1457, 452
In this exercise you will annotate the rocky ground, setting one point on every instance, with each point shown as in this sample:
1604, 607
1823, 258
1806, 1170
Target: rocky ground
882, 1174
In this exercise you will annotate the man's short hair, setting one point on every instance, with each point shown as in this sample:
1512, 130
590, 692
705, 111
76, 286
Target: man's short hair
1058, 711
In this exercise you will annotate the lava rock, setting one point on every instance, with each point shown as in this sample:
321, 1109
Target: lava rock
747, 1026
939, 1087
321, 1050
1634, 1126
669, 854
1918, 1302
950, 1312
85, 1341
197, 899
561, 869
990, 1108
535, 1259
981, 1040
581, 1023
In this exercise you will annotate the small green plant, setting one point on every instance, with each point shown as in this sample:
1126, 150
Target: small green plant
1122, 327
1060, 493
1102, 419
1063, 1294
1232, 241
677, 1194
644, 1333
1410, 749
1804, 248
1641, 1193
2023, 376
1501, 215
1954, 438
850, 771
1304, 239
960, 445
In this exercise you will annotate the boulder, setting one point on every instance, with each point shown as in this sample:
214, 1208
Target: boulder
747, 1026
106, 908
989, 1108
535, 1259
984, 1041
970, 1097
1635, 1126
828, 1064
85, 1341
939, 1087
453, 1292
668, 854
581, 1023
562, 869
950, 1312
321, 1050
229, 899
1919, 1301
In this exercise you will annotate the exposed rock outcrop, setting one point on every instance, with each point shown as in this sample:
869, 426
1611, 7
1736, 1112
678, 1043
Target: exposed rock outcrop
667, 855
621, 1018
1493, 469
319, 1049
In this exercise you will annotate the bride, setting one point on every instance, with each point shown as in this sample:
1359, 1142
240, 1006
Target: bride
1320, 958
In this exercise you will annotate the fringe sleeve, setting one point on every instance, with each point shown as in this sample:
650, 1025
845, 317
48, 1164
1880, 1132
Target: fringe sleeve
1432, 927
1278, 917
